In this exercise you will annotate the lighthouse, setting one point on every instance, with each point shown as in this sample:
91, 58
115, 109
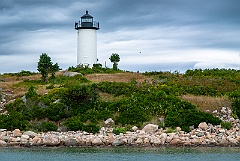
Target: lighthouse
87, 40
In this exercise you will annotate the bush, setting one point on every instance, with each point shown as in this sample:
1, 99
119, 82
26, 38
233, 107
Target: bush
91, 128
43, 126
188, 117
226, 125
13, 121
75, 124
119, 130
77, 95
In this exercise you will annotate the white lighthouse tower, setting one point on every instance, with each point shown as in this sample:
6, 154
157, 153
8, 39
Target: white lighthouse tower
87, 40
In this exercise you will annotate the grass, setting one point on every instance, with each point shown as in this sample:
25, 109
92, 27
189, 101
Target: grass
205, 103
17, 86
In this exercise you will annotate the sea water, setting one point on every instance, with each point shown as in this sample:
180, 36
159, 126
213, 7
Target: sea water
121, 154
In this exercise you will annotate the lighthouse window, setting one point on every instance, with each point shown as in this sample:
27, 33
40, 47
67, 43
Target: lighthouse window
87, 20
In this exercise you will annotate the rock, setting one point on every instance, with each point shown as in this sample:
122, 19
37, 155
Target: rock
118, 142
134, 128
200, 134
97, 141
223, 142
233, 141
178, 129
17, 133
71, 74
31, 134
203, 126
17, 139
163, 138
150, 128
109, 122
36, 141
51, 141
3, 143
139, 141
70, 142
221, 130
155, 140
176, 142
2, 130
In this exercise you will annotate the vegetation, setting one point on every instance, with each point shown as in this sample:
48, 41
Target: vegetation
96, 69
79, 104
115, 58
45, 66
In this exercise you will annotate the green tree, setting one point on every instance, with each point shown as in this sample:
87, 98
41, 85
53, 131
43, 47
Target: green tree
115, 58
45, 66
54, 68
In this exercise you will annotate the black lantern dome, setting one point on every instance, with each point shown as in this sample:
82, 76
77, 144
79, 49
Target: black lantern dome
87, 22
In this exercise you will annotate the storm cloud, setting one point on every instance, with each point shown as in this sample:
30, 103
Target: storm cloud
147, 34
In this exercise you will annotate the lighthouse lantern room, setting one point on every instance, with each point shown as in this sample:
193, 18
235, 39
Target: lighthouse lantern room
87, 40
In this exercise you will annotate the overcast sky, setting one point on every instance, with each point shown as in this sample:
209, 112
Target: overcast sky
149, 35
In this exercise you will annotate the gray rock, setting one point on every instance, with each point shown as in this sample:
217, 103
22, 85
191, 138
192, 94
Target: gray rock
3, 143
70, 142
109, 122
2, 130
150, 128
31, 134
97, 141
203, 126
118, 142
134, 128
71, 74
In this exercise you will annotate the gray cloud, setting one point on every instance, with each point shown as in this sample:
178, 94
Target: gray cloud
181, 33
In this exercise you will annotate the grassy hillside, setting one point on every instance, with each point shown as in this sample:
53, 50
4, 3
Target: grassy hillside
84, 102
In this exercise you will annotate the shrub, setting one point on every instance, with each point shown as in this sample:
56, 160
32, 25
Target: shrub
226, 125
56, 111
91, 128
48, 126
15, 120
51, 86
119, 130
74, 123
188, 117
43, 126
77, 95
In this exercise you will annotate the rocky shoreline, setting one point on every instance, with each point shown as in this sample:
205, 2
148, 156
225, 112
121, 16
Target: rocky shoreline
150, 136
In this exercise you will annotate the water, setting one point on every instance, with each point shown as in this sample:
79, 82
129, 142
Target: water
120, 154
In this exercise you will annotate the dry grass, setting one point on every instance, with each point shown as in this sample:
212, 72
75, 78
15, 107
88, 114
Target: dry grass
118, 77
9, 87
205, 103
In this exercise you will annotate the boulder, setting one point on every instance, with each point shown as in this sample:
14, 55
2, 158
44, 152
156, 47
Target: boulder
71, 74
2, 130
134, 128
70, 142
163, 137
3, 143
176, 142
31, 134
118, 142
139, 141
233, 141
17, 133
109, 122
203, 126
155, 140
150, 128
97, 141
